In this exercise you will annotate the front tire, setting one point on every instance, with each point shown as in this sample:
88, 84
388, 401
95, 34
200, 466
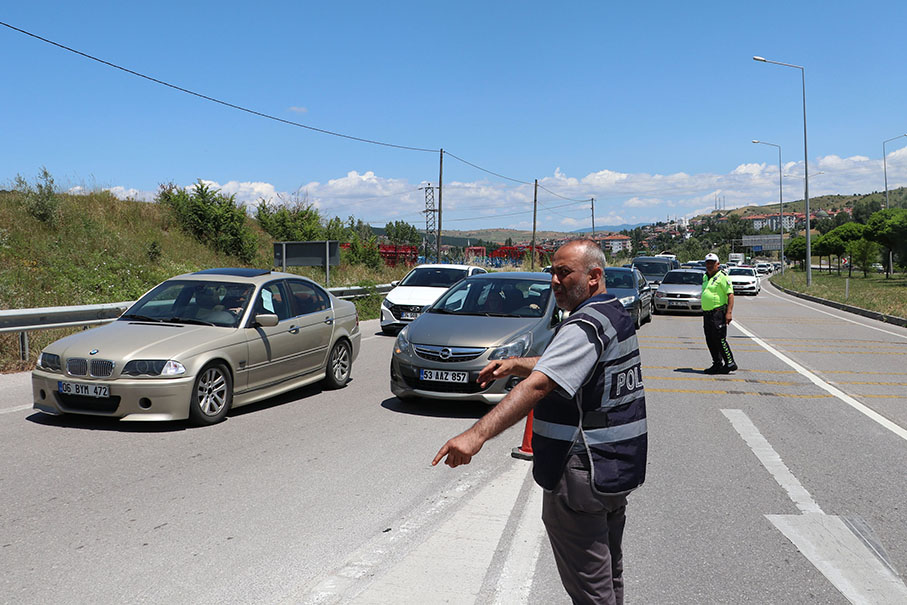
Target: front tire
340, 365
212, 395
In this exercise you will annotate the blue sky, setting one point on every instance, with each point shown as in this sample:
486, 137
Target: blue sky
650, 108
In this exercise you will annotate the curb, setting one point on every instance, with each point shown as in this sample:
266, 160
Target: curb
890, 319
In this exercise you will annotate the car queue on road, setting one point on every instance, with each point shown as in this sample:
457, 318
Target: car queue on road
200, 344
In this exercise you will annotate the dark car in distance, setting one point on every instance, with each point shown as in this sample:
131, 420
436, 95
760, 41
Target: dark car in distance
635, 294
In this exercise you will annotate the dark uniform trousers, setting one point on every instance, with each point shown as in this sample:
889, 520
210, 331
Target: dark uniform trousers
714, 322
586, 530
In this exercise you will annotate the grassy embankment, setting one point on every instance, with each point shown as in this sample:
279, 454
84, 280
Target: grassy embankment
872, 292
105, 250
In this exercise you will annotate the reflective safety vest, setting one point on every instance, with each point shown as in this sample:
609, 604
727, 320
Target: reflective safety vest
608, 413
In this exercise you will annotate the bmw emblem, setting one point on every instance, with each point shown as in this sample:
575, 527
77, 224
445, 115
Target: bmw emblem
93, 352
445, 353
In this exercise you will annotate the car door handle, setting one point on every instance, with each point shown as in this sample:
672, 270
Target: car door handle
294, 330
329, 320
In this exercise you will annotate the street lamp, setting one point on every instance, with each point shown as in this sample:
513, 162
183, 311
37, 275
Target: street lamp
809, 273
780, 198
887, 205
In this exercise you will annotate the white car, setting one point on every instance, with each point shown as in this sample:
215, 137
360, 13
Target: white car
764, 268
421, 287
745, 280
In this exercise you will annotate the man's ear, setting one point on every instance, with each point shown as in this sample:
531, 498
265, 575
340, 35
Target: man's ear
595, 277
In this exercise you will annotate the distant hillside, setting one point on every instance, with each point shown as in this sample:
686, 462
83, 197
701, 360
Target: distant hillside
897, 197
611, 228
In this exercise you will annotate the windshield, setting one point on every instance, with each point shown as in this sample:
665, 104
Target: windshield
495, 298
683, 277
433, 277
651, 268
738, 271
193, 302
619, 279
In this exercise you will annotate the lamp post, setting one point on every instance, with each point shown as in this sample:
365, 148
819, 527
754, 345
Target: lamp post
780, 199
809, 272
887, 205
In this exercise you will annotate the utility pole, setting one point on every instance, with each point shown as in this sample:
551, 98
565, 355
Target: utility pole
535, 201
431, 235
440, 184
593, 218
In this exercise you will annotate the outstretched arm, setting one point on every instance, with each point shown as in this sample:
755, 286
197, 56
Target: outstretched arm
514, 406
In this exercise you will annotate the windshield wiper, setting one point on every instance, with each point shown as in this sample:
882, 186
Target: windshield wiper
490, 314
186, 320
141, 318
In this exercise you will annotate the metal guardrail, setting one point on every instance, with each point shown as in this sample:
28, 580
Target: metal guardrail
24, 321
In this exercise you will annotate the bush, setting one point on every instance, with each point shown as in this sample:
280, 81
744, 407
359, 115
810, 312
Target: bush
214, 219
41, 201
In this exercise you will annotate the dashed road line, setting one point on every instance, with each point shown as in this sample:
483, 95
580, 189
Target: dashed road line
856, 571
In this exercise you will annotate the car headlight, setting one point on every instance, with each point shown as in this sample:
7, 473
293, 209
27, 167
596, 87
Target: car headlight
628, 301
402, 344
49, 361
154, 367
659, 294
516, 348
386, 304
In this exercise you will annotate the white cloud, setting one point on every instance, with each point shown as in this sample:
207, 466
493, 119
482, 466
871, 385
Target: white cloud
297, 109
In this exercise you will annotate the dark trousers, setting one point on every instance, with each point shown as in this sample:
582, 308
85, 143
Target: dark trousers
715, 326
586, 530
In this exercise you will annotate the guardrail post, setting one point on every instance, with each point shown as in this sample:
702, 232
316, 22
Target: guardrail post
23, 346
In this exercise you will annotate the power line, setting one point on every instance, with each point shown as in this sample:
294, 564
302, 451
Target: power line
214, 100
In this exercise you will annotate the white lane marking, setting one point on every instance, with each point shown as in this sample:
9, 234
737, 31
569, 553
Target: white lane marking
450, 566
869, 413
859, 323
772, 461
825, 540
519, 567
15, 409
842, 557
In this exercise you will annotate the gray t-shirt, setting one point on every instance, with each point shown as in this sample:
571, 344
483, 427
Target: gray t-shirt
570, 357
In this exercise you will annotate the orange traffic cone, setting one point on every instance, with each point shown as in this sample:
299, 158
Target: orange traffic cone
524, 452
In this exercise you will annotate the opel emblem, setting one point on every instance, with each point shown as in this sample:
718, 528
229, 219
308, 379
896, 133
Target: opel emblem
93, 352
445, 353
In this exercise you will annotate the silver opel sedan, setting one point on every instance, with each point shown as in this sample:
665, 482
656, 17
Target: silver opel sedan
200, 344
680, 290
481, 318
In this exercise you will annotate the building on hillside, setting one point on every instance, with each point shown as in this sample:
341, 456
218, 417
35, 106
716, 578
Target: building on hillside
616, 243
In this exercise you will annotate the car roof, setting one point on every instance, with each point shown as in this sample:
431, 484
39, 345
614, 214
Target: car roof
536, 275
445, 266
621, 269
685, 271
239, 274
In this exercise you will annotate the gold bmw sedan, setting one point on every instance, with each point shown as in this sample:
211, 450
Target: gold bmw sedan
200, 344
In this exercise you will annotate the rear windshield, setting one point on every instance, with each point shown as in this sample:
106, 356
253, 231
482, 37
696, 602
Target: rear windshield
433, 277
620, 279
652, 267
683, 277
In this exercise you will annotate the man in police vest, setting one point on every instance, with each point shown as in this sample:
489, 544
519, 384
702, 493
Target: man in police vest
589, 429
717, 308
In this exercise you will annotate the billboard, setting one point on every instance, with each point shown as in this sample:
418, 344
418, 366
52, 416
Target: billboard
760, 243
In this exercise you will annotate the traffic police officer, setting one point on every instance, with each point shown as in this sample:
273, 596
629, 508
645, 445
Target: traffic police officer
717, 307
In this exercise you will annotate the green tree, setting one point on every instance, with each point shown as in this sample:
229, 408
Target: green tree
864, 209
214, 219
795, 249
843, 235
862, 253
889, 228
41, 200
294, 221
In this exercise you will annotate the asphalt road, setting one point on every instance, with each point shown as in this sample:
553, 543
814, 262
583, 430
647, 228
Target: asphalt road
782, 483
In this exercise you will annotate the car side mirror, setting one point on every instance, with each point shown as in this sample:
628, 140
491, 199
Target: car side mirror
394, 283
266, 320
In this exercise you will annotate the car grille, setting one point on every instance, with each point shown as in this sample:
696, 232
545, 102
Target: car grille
397, 310
685, 296
447, 354
100, 368
81, 403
